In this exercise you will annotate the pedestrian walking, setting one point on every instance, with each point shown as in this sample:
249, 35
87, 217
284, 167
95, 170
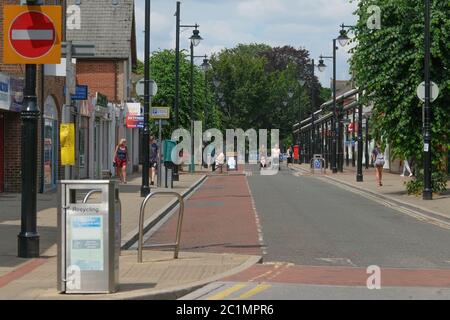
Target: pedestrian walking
275, 154
406, 167
153, 159
290, 154
379, 161
121, 160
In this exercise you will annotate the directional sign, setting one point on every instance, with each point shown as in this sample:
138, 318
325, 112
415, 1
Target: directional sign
140, 88
32, 34
160, 113
434, 91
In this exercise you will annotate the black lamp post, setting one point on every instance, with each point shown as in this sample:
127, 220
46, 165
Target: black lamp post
195, 40
206, 67
427, 157
28, 238
334, 121
312, 149
145, 187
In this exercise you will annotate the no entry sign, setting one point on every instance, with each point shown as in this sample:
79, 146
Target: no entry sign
32, 35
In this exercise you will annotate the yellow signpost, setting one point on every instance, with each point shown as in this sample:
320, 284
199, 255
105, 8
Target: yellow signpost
32, 34
67, 137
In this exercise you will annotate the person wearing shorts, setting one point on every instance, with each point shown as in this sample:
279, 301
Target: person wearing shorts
121, 160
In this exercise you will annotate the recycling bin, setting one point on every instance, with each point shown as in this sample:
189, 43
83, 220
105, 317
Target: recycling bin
89, 228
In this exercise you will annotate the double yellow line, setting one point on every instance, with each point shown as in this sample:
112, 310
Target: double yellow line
221, 295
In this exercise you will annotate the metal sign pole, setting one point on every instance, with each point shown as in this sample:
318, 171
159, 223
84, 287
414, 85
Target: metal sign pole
159, 156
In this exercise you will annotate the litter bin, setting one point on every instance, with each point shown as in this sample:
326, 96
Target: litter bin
89, 218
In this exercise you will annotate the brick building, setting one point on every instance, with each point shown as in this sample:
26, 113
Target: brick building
49, 93
100, 120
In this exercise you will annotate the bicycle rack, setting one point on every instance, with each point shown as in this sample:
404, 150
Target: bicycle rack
176, 245
91, 193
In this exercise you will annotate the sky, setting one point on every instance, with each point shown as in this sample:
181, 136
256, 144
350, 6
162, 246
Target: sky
309, 24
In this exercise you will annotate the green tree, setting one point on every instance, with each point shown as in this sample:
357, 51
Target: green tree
254, 84
389, 65
162, 68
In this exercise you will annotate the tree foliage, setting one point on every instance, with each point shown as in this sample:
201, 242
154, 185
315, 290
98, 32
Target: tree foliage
254, 84
389, 65
162, 69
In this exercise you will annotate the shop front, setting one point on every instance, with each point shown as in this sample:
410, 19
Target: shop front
103, 139
2, 155
11, 98
50, 144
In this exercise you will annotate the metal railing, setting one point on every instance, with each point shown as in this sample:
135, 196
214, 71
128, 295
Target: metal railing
175, 245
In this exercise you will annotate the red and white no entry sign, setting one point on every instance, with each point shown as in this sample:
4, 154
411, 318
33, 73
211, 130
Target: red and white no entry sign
33, 34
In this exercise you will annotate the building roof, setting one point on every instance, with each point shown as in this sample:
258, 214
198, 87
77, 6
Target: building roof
111, 27
343, 86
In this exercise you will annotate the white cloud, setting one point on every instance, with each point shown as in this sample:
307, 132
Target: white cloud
224, 24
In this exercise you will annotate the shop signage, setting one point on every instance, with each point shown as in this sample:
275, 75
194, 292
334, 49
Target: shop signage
67, 142
102, 100
16, 87
135, 121
5, 98
81, 93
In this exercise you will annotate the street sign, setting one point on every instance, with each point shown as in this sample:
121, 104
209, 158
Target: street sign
79, 50
140, 88
32, 35
81, 93
434, 91
160, 113
135, 121
163, 122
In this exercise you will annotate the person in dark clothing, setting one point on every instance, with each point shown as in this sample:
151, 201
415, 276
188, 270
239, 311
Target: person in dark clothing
153, 159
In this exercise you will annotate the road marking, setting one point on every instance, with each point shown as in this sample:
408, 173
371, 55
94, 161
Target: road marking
258, 221
337, 261
253, 292
221, 295
409, 212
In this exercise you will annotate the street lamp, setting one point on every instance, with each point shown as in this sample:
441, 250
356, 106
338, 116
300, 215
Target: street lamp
427, 157
145, 187
28, 238
343, 38
206, 67
313, 107
195, 40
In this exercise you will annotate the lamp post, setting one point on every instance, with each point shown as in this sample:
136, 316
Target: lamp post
145, 187
28, 238
427, 157
334, 119
312, 149
195, 40
206, 67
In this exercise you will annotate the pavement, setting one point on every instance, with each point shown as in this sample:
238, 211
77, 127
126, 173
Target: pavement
323, 236
159, 277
